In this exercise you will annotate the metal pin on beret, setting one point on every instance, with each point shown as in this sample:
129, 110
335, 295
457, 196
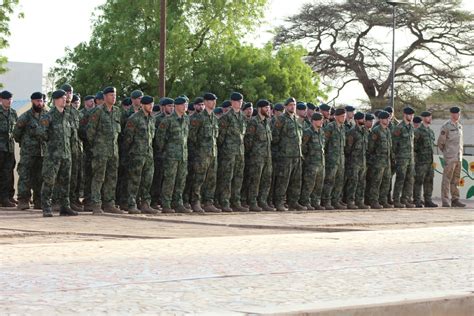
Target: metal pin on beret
89, 97
236, 96
6, 94
369, 117
278, 107
359, 116
301, 106
317, 117
36, 96
136, 94
127, 101
454, 109
109, 89
290, 100
340, 111
324, 107
383, 115
66, 87
408, 110
166, 101
226, 104
417, 119
209, 96
180, 100
349, 108
262, 103
58, 94
425, 114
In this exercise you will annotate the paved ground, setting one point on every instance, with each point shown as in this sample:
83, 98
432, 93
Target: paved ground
231, 264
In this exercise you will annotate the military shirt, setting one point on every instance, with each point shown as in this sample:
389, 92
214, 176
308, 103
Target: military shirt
55, 129
203, 133
286, 135
313, 146
335, 142
172, 137
380, 145
450, 141
84, 119
25, 134
424, 142
8, 120
231, 133
356, 144
103, 130
258, 138
138, 134
403, 137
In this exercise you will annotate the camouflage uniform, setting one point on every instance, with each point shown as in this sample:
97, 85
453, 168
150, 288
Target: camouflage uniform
379, 151
230, 168
402, 140
424, 172
138, 137
286, 135
86, 157
313, 167
157, 182
258, 139
55, 128
172, 142
356, 151
8, 120
190, 174
103, 129
334, 174
32, 151
76, 156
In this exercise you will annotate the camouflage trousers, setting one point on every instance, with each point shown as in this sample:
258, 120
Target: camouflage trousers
450, 181
156, 185
174, 179
76, 176
29, 178
121, 192
379, 185
139, 179
244, 191
259, 180
7, 164
288, 180
403, 188
355, 183
55, 171
189, 181
313, 180
424, 175
204, 184
333, 182
271, 194
104, 179
87, 175
230, 175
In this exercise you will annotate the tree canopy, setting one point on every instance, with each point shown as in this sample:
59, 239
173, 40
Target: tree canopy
6, 10
350, 41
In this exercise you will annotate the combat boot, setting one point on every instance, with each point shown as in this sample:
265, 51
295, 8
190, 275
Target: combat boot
227, 209
267, 208
95, 208
210, 208
297, 207
418, 204
146, 209
7, 203
110, 208
309, 207
37, 205
47, 212
186, 205
281, 208
409, 205
318, 207
362, 206
339, 206
386, 205
67, 211
429, 203
376, 206
197, 208
23, 205
352, 206
133, 210
255, 208
239, 208
87, 205
398, 204
167, 210
327, 206
77, 207
56, 207
182, 209
124, 206
457, 203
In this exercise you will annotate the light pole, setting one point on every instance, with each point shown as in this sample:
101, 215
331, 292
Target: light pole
393, 3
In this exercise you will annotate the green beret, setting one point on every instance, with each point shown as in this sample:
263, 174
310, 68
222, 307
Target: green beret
180, 100
36, 96
262, 103
388, 109
99, 95
246, 106
349, 108
109, 90
369, 117
235, 96
136, 94
156, 108
58, 94
75, 98
301, 106
218, 110
278, 107
359, 116
425, 114
226, 104
198, 100
417, 119
6, 94
383, 115
185, 97
89, 97
340, 111
455, 109
290, 100
209, 96
127, 101
147, 100
166, 101
324, 107
311, 106
408, 110
66, 87
317, 116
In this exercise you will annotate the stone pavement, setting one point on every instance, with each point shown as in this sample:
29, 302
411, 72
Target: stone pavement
231, 264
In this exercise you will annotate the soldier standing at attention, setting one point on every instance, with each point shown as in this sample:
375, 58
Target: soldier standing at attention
55, 129
417, 122
313, 164
103, 130
277, 111
349, 121
450, 142
325, 111
203, 133
230, 168
89, 106
380, 147
32, 151
99, 99
172, 142
138, 137
286, 135
8, 119
369, 122
424, 172
402, 140
247, 108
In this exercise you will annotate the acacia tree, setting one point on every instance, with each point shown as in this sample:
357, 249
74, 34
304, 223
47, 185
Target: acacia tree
350, 42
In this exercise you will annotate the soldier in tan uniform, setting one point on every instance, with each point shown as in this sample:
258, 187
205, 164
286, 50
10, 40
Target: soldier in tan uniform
450, 143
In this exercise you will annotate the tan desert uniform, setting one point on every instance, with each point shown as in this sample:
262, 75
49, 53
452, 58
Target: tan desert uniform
450, 142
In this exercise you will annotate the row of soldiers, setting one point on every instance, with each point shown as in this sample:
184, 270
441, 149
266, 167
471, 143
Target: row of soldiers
194, 157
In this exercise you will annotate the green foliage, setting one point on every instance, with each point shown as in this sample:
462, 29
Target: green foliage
6, 10
459, 93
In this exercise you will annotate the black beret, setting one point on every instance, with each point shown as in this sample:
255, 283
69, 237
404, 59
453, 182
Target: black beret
6, 94
359, 116
388, 109
254, 112
89, 97
278, 107
262, 103
75, 98
136, 94
349, 108
417, 119
408, 110
218, 110
226, 104
180, 100
147, 100
36, 96
235, 96
340, 111
109, 89
127, 101
198, 100
317, 116
44, 96
369, 117
455, 109
324, 107
99, 95
209, 96
289, 100
311, 106
66, 87
332, 111
246, 106
58, 94
301, 106
166, 101
383, 115
185, 97
425, 114
190, 106
376, 113
156, 108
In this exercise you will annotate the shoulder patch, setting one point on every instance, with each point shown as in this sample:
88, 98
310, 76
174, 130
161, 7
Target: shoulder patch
94, 117
443, 132
162, 125
327, 134
195, 123
278, 124
306, 138
44, 122
130, 124
251, 129
21, 123
397, 132
375, 136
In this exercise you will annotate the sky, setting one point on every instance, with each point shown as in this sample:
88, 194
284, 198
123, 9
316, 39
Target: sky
49, 26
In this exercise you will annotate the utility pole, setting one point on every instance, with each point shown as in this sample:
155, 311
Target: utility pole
162, 74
